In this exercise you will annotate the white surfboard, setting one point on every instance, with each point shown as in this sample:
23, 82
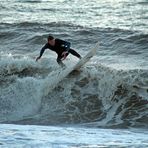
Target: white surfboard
87, 57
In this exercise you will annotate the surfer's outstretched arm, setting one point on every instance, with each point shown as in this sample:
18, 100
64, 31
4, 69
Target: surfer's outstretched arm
41, 52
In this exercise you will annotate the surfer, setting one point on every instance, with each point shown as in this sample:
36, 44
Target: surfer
61, 47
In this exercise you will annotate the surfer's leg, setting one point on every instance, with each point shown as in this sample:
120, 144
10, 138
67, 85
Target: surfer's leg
73, 52
59, 61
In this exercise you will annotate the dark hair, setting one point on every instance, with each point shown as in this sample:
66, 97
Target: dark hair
50, 37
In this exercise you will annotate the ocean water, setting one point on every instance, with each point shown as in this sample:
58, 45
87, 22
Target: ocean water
105, 104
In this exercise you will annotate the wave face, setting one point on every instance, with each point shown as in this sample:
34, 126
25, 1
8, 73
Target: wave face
95, 96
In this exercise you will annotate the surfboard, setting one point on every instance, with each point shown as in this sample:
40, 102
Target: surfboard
86, 58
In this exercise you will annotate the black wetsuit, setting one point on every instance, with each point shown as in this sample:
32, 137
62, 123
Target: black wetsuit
59, 47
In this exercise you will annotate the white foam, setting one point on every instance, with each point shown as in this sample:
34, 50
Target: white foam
23, 96
19, 99
65, 137
10, 65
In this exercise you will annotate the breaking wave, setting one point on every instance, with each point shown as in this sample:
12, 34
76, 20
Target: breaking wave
97, 95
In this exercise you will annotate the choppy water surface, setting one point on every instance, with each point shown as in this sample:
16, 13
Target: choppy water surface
110, 91
108, 13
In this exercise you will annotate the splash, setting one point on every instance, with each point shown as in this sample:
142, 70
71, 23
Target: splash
95, 96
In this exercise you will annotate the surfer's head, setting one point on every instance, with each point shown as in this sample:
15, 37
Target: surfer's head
50, 37
51, 40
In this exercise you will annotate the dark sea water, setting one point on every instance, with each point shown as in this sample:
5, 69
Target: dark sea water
110, 91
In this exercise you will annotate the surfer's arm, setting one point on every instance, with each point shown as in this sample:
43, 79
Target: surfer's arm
41, 52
